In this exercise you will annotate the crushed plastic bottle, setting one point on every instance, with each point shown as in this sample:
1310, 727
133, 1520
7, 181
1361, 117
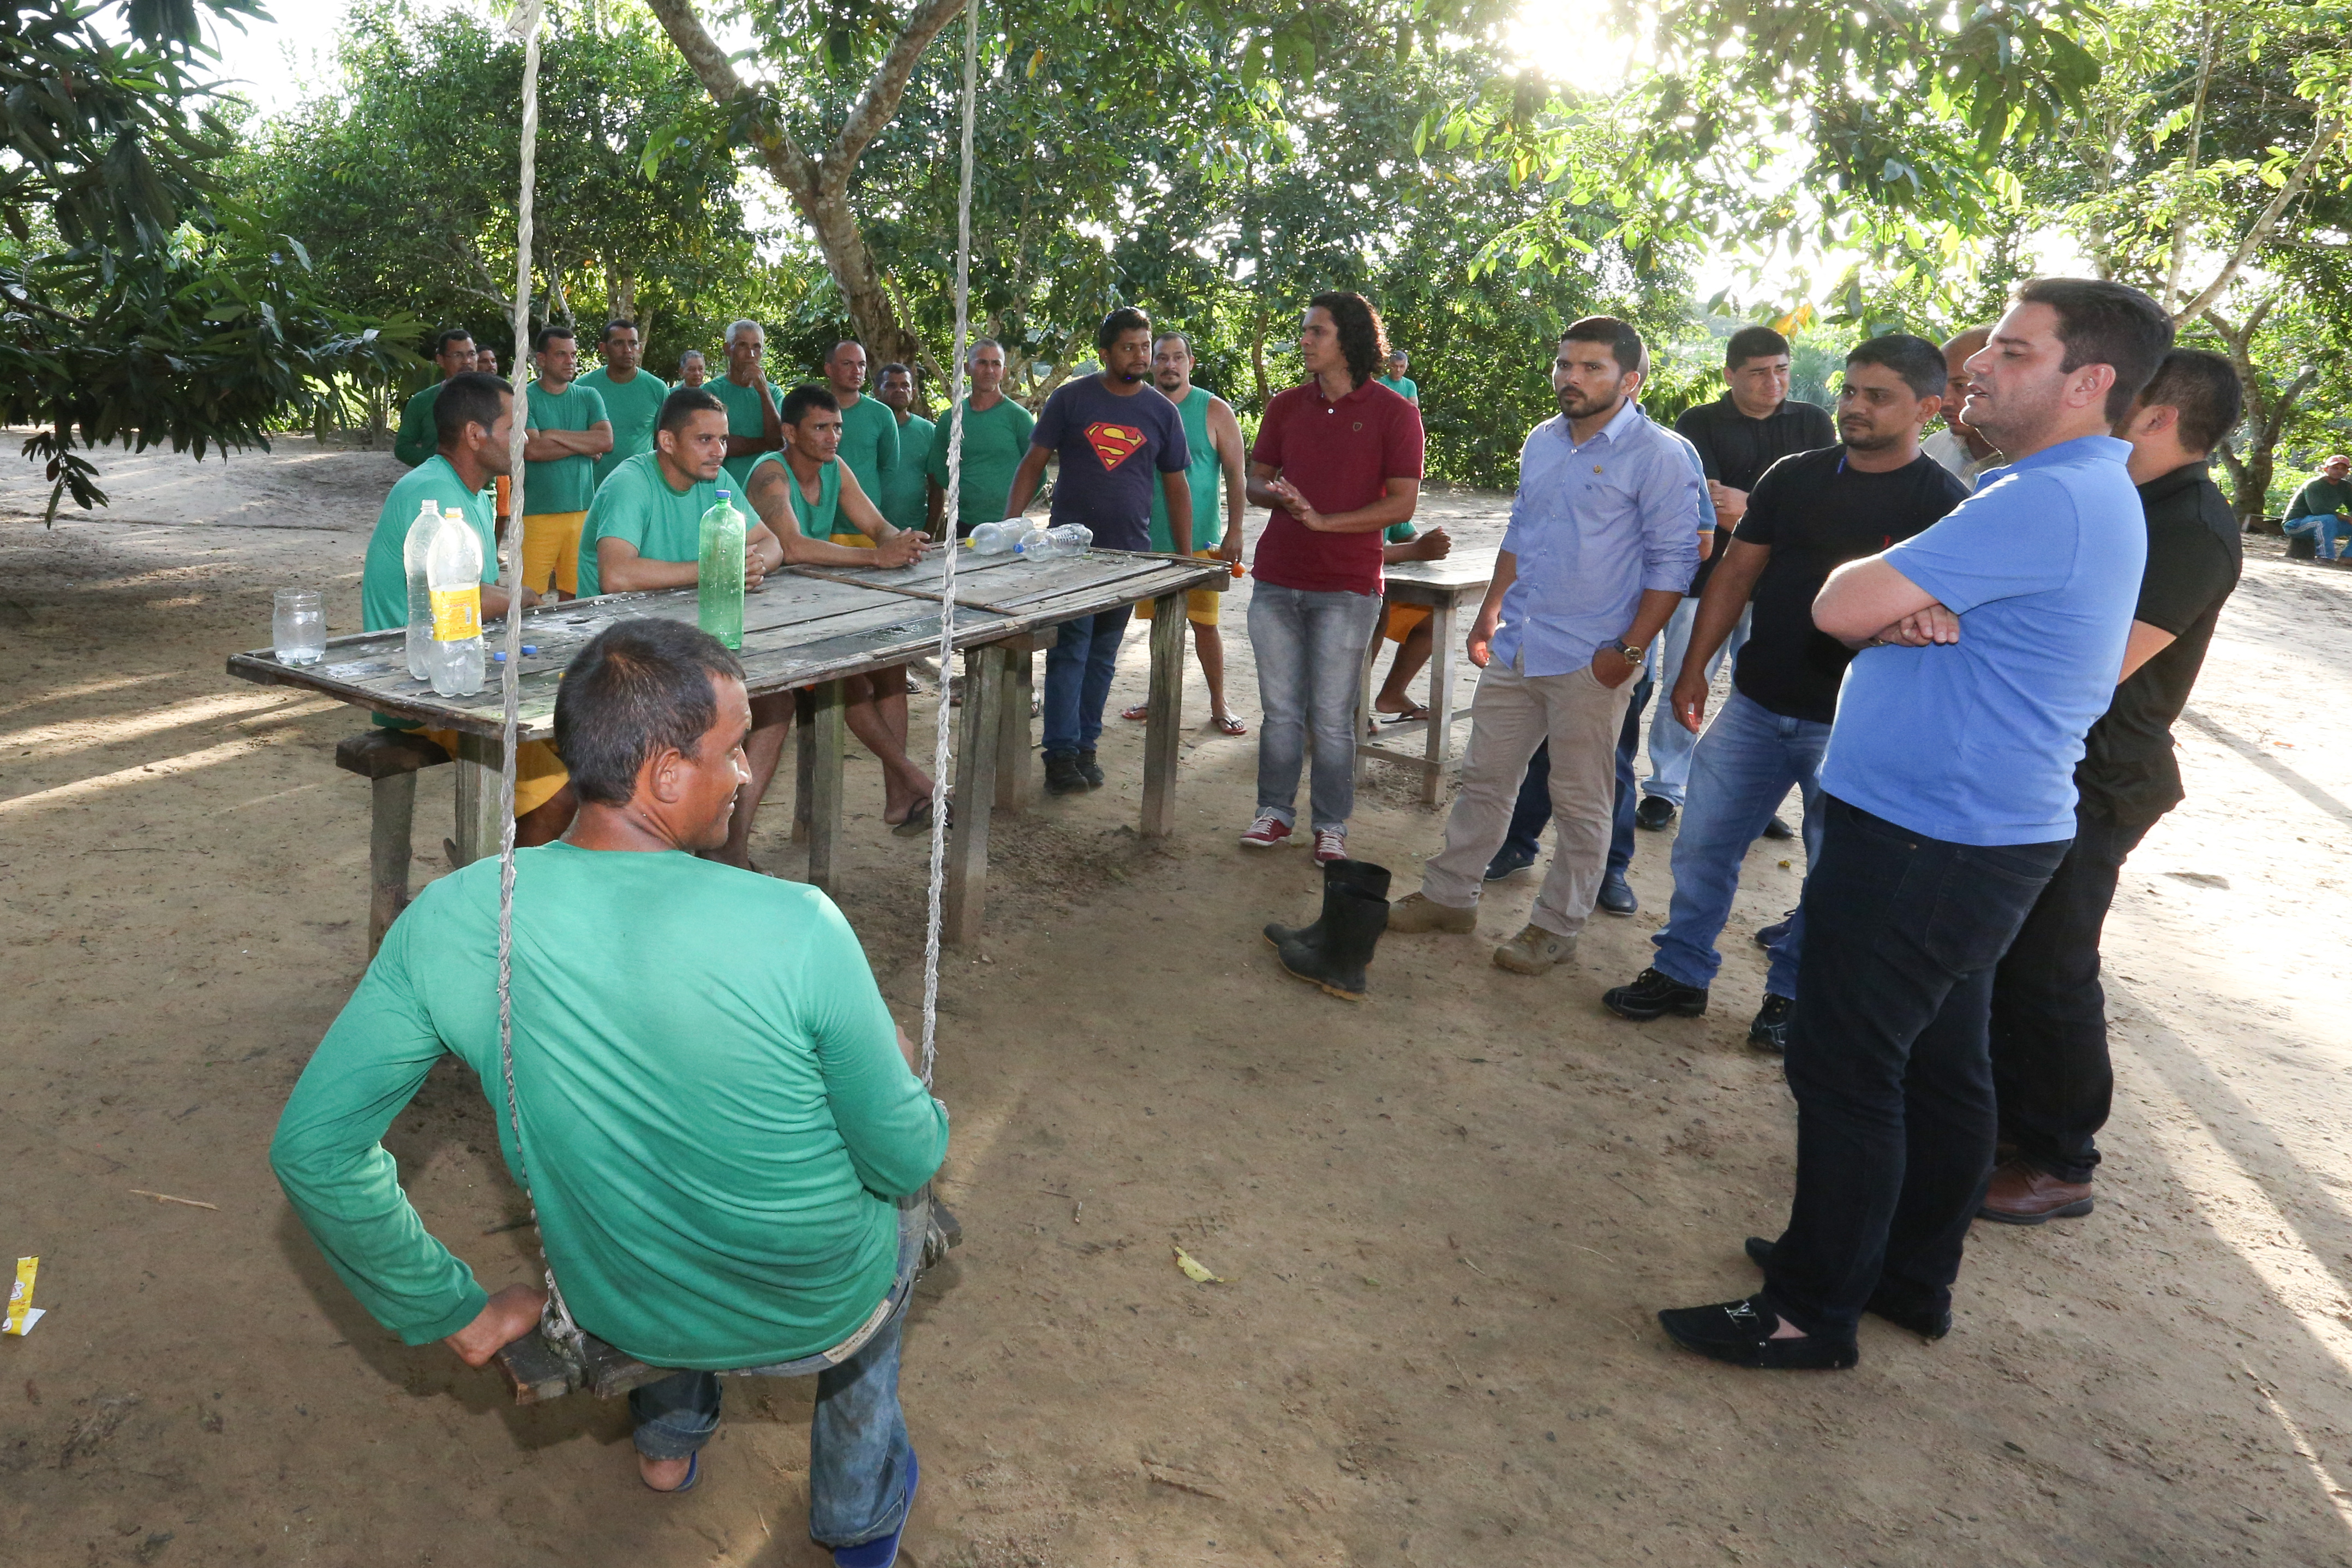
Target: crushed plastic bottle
1071, 538
452, 569
420, 594
1037, 544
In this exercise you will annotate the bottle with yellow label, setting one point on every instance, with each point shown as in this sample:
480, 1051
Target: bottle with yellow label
452, 569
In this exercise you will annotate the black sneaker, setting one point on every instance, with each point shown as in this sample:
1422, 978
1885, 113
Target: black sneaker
1767, 935
1508, 862
1928, 1323
1740, 1333
1655, 812
1770, 1032
1089, 771
1653, 994
1061, 775
1776, 828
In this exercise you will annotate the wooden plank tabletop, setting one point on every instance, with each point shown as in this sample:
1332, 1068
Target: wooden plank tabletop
1421, 582
800, 629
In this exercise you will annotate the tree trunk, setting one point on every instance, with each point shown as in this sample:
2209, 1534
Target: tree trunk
2268, 409
1257, 359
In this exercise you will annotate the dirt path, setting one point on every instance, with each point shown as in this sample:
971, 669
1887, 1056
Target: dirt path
1443, 1217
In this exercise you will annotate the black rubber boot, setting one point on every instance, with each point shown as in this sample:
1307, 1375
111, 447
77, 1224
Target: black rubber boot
1354, 915
1373, 879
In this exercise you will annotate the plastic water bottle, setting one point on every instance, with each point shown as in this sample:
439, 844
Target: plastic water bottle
1037, 544
420, 596
453, 570
1071, 538
719, 575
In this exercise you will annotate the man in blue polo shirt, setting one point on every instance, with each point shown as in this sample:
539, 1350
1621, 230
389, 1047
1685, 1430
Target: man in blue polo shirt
1990, 644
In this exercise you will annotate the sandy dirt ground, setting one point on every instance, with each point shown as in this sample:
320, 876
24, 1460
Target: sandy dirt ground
1443, 1217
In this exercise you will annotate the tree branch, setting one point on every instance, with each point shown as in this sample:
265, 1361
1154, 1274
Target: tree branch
2322, 138
716, 72
2188, 168
879, 102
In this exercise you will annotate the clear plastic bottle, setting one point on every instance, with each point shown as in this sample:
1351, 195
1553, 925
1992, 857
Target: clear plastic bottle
720, 573
1037, 544
452, 569
420, 596
1071, 538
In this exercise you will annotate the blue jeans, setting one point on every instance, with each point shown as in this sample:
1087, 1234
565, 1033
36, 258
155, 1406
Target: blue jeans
1077, 680
1532, 814
858, 1451
1740, 770
1670, 744
2327, 531
1889, 1062
1309, 647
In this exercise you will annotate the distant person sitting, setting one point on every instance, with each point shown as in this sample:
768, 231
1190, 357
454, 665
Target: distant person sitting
565, 432
1396, 380
1958, 445
2323, 509
473, 422
644, 532
717, 1124
693, 369
1407, 626
419, 437
812, 502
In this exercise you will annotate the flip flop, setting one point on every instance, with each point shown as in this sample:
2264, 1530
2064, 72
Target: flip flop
1417, 713
1139, 713
1230, 725
919, 821
693, 1474
883, 1549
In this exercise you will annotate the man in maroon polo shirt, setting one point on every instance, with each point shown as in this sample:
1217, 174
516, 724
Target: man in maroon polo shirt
1338, 461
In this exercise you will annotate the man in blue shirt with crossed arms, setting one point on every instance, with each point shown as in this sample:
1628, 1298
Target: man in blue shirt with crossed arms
1990, 643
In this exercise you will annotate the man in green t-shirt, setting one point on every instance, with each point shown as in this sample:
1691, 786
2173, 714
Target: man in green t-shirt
1396, 380
996, 437
2323, 508
1407, 626
904, 488
565, 431
472, 421
632, 395
453, 351
715, 1118
645, 531
751, 403
807, 496
869, 428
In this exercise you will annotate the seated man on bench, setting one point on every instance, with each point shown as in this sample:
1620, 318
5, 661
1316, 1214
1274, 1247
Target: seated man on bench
715, 1133
472, 418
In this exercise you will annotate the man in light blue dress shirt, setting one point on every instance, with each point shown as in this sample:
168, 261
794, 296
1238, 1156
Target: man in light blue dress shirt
1602, 542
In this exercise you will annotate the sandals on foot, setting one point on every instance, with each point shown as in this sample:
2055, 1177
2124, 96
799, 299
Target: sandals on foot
1138, 713
1227, 724
1417, 713
919, 821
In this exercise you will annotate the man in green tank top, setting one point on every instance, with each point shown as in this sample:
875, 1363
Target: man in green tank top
632, 396
808, 496
1214, 438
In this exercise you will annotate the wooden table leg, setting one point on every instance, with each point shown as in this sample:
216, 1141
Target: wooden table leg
803, 760
393, 812
964, 903
1441, 699
826, 731
1365, 729
1017, 765
1165, 725
480, 762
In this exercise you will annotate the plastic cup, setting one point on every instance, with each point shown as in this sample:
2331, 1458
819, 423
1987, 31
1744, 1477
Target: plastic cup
297, 625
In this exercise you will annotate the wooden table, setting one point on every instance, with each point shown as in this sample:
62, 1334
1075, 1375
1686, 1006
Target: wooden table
806, 629
1442, 586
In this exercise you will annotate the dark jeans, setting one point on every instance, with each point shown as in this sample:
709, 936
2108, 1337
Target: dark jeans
1888, 1061
1077, 680
1533, 813
2050, 1068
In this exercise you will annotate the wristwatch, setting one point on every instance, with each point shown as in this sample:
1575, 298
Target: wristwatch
1632, 655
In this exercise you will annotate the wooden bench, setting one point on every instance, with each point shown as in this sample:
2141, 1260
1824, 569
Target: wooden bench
388, 760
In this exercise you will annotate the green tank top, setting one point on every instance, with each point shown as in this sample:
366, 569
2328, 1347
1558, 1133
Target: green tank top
1201, 475
820, 520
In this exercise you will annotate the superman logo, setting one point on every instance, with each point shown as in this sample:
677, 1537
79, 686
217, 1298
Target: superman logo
1114, 444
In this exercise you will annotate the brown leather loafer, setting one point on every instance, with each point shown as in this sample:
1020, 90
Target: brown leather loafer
2023, 1193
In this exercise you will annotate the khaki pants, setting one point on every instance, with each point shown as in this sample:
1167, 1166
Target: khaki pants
1513, 714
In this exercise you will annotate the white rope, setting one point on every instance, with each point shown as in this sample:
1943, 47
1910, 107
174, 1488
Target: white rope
951, 510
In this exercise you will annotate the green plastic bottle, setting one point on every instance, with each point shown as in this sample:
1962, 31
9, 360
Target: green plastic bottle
720, 573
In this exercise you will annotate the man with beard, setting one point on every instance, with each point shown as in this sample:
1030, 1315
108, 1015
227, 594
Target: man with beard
1601, 545
1810, 513
1115, 438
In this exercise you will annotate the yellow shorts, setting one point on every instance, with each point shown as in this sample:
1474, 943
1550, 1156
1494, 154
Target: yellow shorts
1402, 618
538, 772
854, 540
1200, 605
550, 551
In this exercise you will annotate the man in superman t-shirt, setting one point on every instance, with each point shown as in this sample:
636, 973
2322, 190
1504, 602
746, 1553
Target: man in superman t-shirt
1117, 437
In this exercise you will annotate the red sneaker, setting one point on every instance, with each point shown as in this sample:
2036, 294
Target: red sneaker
1266, 832
1330, 844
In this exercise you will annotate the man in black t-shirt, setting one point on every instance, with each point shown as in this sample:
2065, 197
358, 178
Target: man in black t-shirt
2051, 1070
1738, 435
1808, 515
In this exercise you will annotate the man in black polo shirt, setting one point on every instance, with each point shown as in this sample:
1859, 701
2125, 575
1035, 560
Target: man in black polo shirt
1811, 513
1738, 435
2051, 1070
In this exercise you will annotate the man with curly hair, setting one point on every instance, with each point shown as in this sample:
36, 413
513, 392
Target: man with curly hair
1338, 462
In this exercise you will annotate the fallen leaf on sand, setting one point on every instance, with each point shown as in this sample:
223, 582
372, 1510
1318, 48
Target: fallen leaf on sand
1194, 1270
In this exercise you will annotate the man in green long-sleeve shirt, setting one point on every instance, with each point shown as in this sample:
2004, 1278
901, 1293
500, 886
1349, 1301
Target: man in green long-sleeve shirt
2323, 508
418, 439
716, 1134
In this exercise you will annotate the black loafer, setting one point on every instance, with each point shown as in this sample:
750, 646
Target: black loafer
1616, 895
1927, 1325
1740, 1333
1655, 812
1776, 828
